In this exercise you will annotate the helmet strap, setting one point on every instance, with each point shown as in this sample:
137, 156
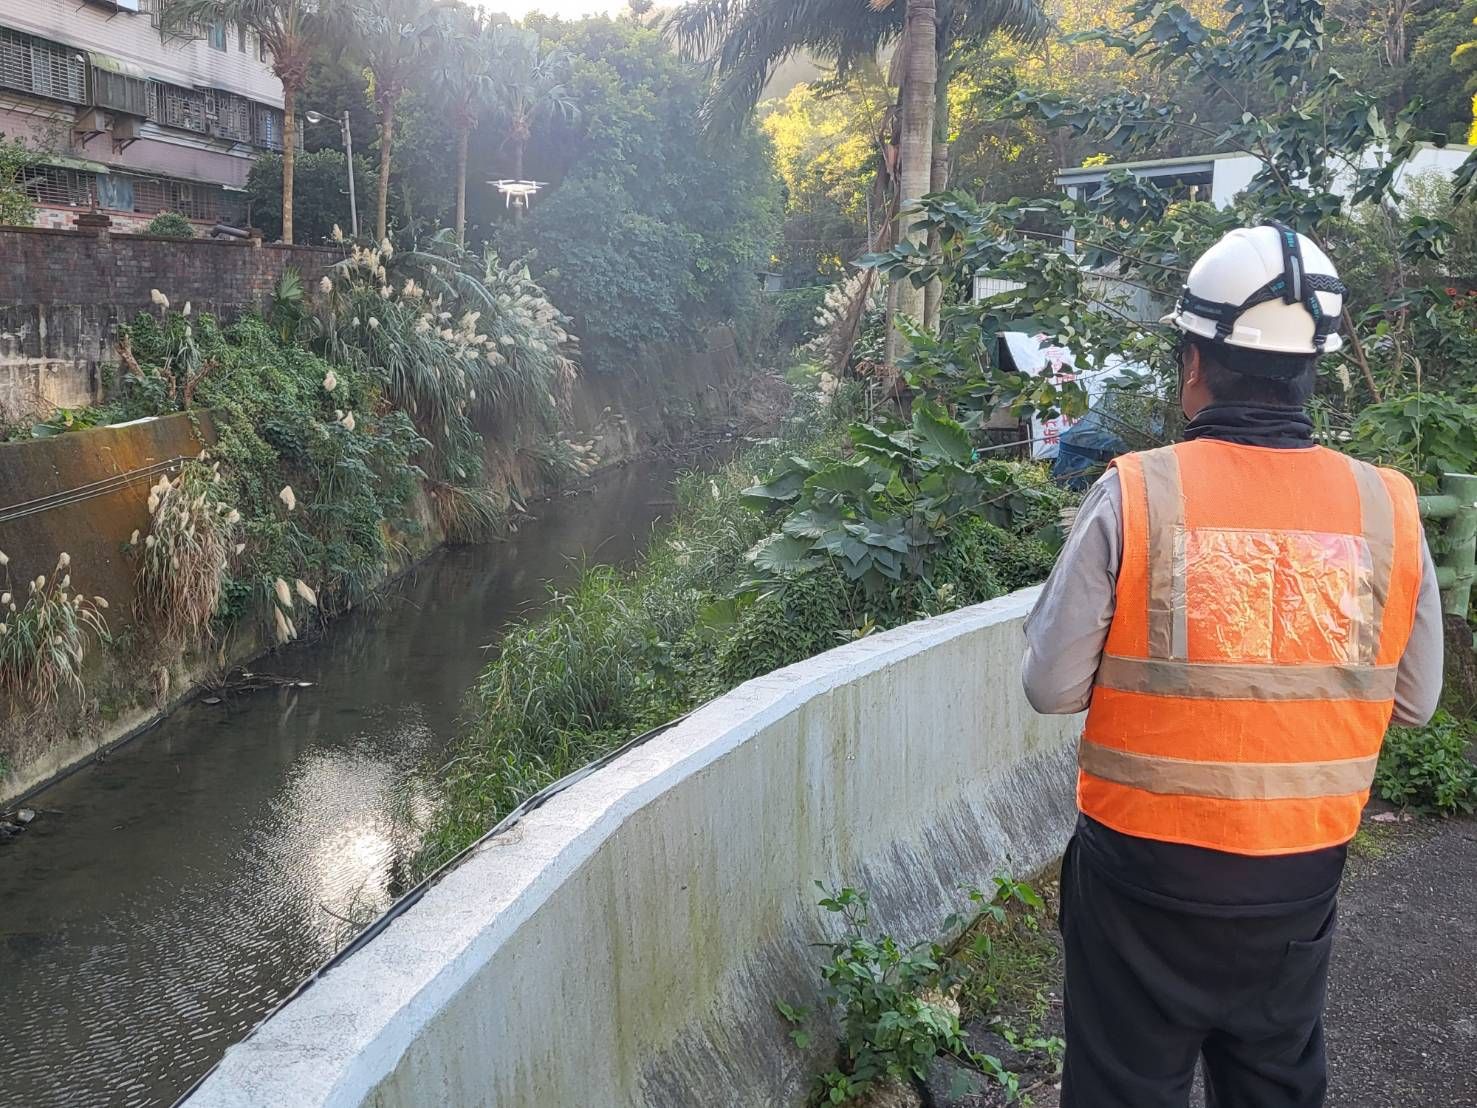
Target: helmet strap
1294, 286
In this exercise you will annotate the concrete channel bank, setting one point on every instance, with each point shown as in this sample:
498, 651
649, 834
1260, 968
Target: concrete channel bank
625, 943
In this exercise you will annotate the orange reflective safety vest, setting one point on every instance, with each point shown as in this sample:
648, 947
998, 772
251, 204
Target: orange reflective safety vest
1264, 601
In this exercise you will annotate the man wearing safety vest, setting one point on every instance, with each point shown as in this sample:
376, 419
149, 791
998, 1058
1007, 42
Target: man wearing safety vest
1242, 615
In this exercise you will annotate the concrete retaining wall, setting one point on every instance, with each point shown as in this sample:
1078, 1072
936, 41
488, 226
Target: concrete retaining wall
625, 943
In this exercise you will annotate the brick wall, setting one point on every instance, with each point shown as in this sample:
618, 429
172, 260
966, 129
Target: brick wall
64, 292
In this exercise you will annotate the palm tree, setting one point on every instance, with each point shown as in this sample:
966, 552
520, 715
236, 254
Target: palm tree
528, 86
291, 31
463, 77
393, 39
920, 74
744, 40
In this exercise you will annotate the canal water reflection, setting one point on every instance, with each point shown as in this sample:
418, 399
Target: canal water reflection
186, 883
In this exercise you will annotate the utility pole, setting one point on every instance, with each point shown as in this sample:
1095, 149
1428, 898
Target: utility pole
349, 157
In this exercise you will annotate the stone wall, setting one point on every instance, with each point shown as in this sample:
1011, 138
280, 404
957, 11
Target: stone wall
63, 294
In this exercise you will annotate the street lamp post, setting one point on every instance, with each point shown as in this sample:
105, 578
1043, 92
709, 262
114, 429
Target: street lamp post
348, 137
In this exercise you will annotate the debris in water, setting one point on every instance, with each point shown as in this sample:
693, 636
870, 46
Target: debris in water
211, 700
25, 815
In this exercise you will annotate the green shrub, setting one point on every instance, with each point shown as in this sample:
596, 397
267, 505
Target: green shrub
1430, 768
171, 224
280, 425
896, 1004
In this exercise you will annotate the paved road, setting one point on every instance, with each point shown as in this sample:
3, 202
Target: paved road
1402, 1007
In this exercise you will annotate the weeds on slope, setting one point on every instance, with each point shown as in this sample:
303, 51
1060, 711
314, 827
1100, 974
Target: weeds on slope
625, 651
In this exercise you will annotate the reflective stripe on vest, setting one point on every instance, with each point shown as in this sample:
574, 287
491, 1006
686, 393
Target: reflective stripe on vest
1264, 600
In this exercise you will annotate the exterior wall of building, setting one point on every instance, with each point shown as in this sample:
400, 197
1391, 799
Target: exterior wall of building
133, 121
132, 38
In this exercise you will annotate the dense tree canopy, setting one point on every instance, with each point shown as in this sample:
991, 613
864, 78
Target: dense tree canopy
645, 234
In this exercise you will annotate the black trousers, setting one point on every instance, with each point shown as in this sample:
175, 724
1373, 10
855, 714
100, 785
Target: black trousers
1150, 989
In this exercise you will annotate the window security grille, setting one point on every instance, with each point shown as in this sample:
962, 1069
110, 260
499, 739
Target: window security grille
61, 188
41, 68
120, 93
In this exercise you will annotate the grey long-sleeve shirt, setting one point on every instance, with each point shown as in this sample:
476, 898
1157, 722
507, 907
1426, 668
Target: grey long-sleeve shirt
1067, 628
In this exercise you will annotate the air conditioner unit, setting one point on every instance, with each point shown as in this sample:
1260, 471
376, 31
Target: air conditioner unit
92, 121
127, 5
126, 128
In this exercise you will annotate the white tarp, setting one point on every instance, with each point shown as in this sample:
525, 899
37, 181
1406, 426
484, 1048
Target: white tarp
1035, 355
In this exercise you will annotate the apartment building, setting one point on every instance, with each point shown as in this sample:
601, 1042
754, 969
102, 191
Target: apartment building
134, 120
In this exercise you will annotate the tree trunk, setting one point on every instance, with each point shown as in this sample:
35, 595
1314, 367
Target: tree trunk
938, 181
387, 139
916, 148
289, 157
463, 137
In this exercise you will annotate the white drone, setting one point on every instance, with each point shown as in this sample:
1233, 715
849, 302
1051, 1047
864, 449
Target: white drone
517, 192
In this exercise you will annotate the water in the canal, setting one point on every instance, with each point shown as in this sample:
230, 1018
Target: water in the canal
191, 879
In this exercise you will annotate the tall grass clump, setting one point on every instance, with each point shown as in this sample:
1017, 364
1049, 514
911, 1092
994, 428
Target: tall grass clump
46, 628
183, 558
459, 342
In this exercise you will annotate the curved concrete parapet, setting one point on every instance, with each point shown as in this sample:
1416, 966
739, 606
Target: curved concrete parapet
625, 943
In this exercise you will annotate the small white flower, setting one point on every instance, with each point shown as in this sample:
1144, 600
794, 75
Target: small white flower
4, 598
64, 561
133, 538
348, 422
356, 321
187, 309
374, 324
150, 541
233, 517
384, 292
4, 558
159, 298
101, 602
330, 382
288, 497
326, 284
301, 588
385, 248
240, 546
338, 236
284, 594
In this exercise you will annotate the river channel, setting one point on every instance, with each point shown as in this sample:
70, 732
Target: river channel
169, 895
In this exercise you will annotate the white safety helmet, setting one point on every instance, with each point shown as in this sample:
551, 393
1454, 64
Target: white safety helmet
1263, 288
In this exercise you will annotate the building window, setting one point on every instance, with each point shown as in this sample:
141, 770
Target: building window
120, 93
42, 68
180, 107
61, 188
216, 32
241, 37
268, 126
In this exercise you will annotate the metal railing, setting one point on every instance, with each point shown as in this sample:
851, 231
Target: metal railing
1456, 566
